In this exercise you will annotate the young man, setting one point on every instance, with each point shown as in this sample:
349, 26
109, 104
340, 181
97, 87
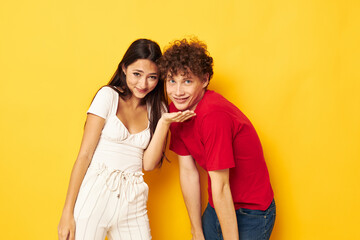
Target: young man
222, 140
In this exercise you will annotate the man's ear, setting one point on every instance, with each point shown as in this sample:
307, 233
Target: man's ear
205, 80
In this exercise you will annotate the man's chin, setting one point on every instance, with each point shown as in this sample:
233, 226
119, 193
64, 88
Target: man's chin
180, 107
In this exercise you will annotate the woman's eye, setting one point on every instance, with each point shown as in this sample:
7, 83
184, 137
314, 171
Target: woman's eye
136, 74
153, 77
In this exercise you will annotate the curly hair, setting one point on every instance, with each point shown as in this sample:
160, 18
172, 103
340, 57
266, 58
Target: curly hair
184, 55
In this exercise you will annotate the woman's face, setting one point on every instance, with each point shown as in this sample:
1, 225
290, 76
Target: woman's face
142, 77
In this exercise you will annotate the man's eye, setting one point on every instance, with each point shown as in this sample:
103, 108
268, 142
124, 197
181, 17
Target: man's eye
187, 81
171, 81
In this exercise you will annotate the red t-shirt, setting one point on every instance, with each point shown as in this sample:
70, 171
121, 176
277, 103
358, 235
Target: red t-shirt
220, 136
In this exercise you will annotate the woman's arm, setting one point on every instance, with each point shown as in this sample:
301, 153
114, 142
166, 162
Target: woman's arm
93, 127
154, 152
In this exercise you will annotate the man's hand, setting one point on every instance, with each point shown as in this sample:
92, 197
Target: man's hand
199, 236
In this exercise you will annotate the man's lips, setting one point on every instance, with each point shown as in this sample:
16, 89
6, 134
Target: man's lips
180, 100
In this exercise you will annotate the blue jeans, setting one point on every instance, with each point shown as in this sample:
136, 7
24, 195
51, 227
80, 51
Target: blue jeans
252, 224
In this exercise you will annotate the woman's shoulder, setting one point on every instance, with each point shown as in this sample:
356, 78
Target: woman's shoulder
107, 93
163, 107
107, 90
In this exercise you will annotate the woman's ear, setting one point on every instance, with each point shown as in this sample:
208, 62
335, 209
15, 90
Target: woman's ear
123, 69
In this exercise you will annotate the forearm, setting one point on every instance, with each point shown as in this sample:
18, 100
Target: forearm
154, 151
93, 127
77, 175
225, 211
190, 186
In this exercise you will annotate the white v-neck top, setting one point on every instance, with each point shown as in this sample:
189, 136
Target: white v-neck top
117, 147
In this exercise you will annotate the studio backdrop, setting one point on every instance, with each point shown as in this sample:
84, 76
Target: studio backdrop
291, 66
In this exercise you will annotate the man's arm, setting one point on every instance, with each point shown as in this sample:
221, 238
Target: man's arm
190, 187
223, 203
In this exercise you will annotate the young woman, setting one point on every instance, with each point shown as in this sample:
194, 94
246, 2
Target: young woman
107, 194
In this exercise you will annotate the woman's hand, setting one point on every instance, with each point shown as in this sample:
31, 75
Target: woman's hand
66, 228
177, 116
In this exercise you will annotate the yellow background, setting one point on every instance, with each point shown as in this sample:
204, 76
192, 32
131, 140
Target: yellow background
291, 66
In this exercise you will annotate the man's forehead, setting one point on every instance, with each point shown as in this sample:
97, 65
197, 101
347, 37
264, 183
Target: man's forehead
179, 73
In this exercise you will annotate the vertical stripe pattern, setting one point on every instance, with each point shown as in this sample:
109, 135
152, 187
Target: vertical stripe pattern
112, 203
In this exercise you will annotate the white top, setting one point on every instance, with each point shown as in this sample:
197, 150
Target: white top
117, 147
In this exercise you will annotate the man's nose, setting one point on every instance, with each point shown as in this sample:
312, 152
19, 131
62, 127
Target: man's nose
179, 90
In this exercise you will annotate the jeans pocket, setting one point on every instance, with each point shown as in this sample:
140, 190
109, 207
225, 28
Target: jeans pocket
271, 211
251, 213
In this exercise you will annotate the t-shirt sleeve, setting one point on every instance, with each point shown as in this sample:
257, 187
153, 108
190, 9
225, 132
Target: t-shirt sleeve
101, 105
176, 144
217, 136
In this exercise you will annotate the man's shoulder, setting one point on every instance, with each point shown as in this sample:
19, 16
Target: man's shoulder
217, 109
214, 99
213, 102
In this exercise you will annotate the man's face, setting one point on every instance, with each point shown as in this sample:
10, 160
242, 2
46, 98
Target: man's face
186, 90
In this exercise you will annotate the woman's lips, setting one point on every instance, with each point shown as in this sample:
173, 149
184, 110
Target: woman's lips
141, 90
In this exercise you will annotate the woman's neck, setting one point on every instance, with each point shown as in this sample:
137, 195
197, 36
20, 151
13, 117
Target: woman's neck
133, 102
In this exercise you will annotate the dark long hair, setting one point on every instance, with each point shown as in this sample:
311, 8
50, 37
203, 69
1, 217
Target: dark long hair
142, 49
